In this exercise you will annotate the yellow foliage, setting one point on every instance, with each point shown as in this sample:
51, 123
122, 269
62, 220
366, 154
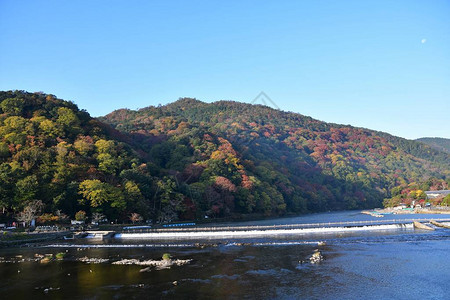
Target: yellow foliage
217, 155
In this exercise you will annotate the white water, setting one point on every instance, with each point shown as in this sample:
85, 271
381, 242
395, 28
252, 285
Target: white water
88, 246
257, 233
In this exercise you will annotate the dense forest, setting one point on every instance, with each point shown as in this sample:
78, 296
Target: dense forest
440, 144
189, 159
51, 151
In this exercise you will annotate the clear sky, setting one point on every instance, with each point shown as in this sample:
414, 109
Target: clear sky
380, 64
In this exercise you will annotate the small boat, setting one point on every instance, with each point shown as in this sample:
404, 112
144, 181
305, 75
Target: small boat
69, 237
179, 224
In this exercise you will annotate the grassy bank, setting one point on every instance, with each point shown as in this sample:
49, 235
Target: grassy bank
12, 239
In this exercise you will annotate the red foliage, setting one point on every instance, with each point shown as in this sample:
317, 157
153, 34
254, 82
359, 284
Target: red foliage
224, 184
192, 172
226, 147
190, 209
246, 183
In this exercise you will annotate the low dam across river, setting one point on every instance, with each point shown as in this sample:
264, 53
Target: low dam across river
217, 232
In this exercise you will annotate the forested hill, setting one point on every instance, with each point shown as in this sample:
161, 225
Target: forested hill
53, 152
190, 159
440, 144
273, 161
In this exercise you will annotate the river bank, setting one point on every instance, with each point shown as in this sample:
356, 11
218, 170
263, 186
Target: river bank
15, 239
304, 225
380, 212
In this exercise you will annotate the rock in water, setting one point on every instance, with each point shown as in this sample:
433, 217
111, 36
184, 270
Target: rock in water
419, 225
144, 270
439, 224
316, 257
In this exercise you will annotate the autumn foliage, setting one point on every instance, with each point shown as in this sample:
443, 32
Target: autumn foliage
190, 159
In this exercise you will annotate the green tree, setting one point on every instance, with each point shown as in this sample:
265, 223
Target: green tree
83, 145
80, 215
4, 150
25, 190
68, 119
107, 163
446, 201
98, 193
105, 146
13, 106
170, 200
50, 129
6, 186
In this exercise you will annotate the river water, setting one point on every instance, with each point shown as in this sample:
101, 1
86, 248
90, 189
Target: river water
398, 263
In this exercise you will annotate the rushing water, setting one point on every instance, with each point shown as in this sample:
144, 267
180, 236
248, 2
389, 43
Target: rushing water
382, 264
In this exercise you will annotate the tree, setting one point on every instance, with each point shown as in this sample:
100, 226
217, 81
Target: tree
6, 186
446, 201
12, 106
84, 145
68, 119
170, 200
104, 146
30, 211
50, 129
98, 217
135, 217
80, 215
4, 150
25, 190
99, 193
107, 163
47, 218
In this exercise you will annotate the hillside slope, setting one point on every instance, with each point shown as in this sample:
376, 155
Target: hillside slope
54, 152
235, 157
440, 144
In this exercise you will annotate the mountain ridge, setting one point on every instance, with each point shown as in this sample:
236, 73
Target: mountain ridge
178, 105
438, 143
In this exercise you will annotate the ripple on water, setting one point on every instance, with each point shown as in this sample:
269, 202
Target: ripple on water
197, 280
224, 276
269, 272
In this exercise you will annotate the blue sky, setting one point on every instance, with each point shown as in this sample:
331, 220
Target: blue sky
383, 65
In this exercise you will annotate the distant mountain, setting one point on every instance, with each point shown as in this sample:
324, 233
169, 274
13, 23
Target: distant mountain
440, 144
190, 159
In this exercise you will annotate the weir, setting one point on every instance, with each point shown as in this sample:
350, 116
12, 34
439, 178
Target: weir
270, 230
287, 226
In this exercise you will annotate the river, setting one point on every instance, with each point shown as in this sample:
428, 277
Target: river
398, 263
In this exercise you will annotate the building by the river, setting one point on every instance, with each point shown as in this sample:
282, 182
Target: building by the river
437, 194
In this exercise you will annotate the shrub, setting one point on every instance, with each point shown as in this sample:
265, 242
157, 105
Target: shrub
80, 215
